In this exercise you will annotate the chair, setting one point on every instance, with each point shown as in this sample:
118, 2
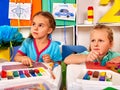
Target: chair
13, 52
69, 49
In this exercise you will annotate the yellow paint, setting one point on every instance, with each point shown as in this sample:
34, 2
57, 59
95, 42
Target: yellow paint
9, 73
102, 73
41, 70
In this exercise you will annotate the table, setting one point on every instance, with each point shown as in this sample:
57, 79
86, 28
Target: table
54, 84
74, 71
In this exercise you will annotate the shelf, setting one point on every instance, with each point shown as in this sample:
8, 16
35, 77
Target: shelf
91, 25
30, 26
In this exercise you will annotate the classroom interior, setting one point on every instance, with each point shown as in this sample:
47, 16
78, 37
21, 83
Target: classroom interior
72, 32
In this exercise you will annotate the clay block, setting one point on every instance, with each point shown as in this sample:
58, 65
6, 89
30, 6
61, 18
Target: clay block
95, 74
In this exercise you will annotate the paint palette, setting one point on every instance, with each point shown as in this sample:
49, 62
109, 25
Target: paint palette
24, 73
96, 76
92, 78
18, 74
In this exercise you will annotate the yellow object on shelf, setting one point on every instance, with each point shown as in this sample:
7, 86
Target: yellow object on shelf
5, 54
112, 15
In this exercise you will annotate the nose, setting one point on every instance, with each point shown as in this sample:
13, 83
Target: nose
95, 43
35, 27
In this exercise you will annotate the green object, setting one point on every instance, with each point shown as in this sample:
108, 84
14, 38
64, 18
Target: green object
63, 65
49, 7
110, 88
15, 74
39, 74
108, 80
88, 77
118, 70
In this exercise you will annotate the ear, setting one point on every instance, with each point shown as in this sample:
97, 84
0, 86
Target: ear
50, 30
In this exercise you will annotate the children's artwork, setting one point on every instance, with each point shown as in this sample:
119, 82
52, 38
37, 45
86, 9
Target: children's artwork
64, 11
19, 10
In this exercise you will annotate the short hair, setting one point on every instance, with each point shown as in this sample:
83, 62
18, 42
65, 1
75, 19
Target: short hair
106, 28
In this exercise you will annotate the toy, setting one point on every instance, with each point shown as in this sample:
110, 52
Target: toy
90, 14
115, 67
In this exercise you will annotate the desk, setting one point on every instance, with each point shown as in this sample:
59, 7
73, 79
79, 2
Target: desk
53, 83
73, 72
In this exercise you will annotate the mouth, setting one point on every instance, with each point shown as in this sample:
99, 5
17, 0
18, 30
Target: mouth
35, 33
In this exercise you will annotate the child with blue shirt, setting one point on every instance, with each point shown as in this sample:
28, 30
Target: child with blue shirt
38, 47
101, 42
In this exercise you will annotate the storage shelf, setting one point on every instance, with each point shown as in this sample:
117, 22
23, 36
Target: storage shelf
91, 25
56, 26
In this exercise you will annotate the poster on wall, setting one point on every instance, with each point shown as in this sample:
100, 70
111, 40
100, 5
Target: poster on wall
20, 11
64, 11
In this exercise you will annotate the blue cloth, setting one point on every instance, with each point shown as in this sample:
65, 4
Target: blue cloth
110, 55
8, 33
4, 6
30, 49
69, 49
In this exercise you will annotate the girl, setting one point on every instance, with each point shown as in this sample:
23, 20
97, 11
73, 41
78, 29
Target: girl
101, 41
38, 47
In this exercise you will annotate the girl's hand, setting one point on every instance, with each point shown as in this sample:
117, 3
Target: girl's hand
46, 58
26, 60
92, 56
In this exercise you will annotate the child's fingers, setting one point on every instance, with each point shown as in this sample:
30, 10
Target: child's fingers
93, 56
46, 58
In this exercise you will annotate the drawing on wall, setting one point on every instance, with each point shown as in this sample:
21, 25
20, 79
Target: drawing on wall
19, 11
64, 11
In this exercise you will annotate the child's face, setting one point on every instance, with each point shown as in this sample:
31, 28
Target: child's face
99, 42
40, 27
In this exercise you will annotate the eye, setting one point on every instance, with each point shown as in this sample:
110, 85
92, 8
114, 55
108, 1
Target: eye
41, 25
92, 40
101, 41
33, 24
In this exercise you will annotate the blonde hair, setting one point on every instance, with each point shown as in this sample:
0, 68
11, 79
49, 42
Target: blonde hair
106, 28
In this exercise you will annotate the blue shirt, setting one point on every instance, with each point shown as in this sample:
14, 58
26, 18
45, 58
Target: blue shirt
107, 57
30, 49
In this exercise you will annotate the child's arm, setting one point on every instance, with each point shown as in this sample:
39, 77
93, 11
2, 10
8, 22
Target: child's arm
80, 58
115, 60
75, 59
23, 59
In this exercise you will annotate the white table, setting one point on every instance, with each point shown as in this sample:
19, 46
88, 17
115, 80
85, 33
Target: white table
53, 83
74, 71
